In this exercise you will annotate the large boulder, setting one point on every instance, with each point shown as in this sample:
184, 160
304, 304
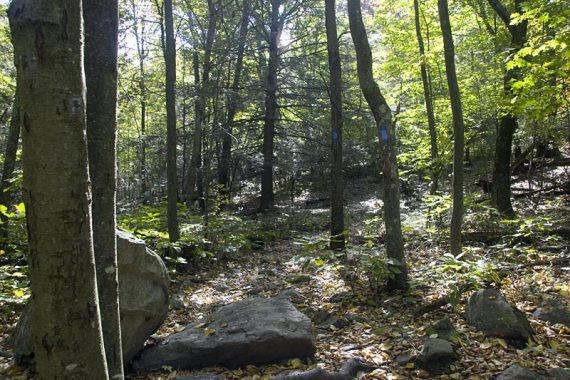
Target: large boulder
253, 331
489, 312
143, 290
516, 372
143, 296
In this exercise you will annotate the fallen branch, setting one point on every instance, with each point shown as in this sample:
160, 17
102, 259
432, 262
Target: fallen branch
348, 371
562, 261
442, 301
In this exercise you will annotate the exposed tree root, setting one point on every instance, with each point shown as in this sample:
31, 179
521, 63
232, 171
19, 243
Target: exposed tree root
348, 371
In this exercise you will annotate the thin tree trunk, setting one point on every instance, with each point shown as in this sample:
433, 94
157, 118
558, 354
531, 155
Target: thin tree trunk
65, 319
171, 173
508, 123
386, 137
434, 170
458, 128
225, 159
10, 155
335, 93
267, 196
101, 18
203, 92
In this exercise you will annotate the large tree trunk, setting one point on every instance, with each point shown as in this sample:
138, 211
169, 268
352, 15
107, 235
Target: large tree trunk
171, 173
65, 319
434, 169
458, 128
225, 158
335, 94
6, 191
101, 18
203, 93
267, 196
386, 138
508, 123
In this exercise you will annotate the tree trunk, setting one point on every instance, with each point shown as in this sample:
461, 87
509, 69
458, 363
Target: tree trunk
386, 138
434, 169
267, 196
10, 155
101, 20
65, 319
335, 93
225, 159
458, 128
203, 92
171, 173
508, 123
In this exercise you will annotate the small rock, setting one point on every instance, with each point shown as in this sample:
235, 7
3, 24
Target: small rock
177, 302
553, 311
489, 312
341, 297
222, 288
516, 372
403, 360
341, 323
436, 355
444, 329
299, 279
292, 295
267, 272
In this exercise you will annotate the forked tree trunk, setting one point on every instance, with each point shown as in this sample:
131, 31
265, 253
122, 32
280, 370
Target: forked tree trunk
171, 140
65, 319
101, 20
434, 167
458, 128
267, 196
225, 159
508, 123
386, 137
335, 93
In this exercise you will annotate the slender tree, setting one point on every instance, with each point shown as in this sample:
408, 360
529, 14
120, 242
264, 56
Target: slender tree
65, 320
202, 96
458, 128
335, 94
101, 19
6, 191
171, 172
428, 101
508, 123
386, 136
267, 196
226, 155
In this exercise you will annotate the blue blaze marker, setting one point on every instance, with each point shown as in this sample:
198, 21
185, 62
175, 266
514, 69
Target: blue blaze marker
384, 133
334, 135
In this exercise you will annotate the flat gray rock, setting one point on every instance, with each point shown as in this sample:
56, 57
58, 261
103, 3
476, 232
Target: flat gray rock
553, 311
436, 355
254, 331
516, 372
489, 312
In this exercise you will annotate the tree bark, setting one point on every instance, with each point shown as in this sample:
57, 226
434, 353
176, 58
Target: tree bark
65, 320
171, 173
203, 93
508, 123
386, 137
458, 128
335, 93
267, 196
101, 20
434, 169
225, 159
10, 155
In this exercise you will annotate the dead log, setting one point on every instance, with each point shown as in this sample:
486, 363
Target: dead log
449, 298
348, 371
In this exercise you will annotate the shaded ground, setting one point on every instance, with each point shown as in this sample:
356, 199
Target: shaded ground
353, 321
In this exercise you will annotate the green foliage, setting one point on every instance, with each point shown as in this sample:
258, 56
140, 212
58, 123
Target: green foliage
462, 269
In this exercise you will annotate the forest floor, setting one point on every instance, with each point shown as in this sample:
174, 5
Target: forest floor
379, 327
